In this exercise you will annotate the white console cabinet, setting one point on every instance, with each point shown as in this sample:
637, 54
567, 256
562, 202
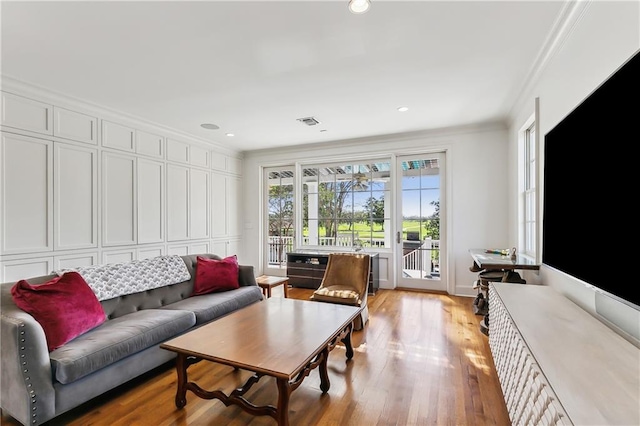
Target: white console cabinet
557, 364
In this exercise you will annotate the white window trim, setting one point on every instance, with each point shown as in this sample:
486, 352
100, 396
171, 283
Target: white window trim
533, 120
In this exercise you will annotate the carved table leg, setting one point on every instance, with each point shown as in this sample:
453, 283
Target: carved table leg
324, 375
181, 368
347, 342
282, 412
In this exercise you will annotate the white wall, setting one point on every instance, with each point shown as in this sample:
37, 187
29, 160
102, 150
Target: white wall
476, 189
83, 185
603, 36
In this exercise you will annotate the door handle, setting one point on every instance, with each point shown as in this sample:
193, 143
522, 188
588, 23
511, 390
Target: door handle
398, 240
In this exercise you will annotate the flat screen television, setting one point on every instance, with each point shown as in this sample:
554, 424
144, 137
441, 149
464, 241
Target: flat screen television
590, 187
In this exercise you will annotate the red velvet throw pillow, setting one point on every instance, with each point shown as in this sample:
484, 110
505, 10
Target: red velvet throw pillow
216, 275
65, 307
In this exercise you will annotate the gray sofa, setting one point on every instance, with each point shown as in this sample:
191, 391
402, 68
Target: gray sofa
37, 385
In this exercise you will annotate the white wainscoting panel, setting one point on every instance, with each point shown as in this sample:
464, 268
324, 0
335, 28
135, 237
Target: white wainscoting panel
27, 114
117, 136
219, 248
218, 161
118, 199
15, 270
149, 252
149, 144
118, 256
233, 203
234, 165
75, 260
233, 247
75, 126
179, 249
199, 248
26, 186
75, 197
177, 202
199, 218
177, 151
150, 201
219, 188
198, 156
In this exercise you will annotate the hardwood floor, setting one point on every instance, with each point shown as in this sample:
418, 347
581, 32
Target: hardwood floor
421, 360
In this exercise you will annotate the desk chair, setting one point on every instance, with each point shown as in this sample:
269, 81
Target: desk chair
346, 281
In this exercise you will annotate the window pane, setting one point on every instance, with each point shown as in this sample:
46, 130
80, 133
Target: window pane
281, 229
349, 203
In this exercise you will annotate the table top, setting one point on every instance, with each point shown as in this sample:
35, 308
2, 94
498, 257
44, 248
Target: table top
271, 280
498, 261
277, 336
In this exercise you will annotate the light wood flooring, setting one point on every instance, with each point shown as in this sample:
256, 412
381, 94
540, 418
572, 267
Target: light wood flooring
421, 360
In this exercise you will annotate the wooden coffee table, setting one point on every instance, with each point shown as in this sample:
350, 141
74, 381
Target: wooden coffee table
244, 339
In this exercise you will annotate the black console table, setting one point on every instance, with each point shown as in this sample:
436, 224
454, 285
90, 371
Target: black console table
306, 269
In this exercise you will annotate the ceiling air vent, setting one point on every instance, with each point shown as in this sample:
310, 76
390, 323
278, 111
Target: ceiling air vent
309, 121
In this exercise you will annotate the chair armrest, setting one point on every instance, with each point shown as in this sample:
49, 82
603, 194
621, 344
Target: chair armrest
246, 276
26, 388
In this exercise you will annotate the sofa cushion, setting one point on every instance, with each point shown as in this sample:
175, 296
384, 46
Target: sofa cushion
214, 275
208, 307
115, 340
65, 307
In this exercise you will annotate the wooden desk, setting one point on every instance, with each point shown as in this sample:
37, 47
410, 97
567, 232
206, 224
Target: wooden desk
501, 262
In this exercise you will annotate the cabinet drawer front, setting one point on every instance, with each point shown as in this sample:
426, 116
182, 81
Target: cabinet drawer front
304, 282
299, 270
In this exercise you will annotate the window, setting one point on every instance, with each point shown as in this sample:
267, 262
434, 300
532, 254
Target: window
280, 208
528, 231
346, 204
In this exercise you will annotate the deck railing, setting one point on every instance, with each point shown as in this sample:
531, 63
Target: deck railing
425, 258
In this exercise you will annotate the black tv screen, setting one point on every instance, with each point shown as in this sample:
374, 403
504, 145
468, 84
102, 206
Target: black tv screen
591, 191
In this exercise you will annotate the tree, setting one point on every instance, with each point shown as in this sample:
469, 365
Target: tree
432, 223
374, 209
331, 198
281, 216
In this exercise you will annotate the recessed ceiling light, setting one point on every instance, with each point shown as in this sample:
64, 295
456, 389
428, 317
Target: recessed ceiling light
359, 6
209, 126
230, 135
403, 109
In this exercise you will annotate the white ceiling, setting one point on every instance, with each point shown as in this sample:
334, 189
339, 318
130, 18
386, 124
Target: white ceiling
254, 68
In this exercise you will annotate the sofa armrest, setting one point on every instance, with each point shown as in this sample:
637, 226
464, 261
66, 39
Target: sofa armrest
26, 388
246, 276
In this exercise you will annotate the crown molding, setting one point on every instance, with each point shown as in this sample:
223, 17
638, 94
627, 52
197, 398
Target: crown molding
41, 94
566, 21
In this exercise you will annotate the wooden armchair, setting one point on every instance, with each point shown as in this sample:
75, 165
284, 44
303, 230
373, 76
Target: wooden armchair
346, 281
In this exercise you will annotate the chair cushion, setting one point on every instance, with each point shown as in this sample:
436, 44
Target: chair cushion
337, 294
65, 307
116, 339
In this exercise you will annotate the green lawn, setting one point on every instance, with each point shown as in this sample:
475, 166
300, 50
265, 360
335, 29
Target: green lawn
363, 230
